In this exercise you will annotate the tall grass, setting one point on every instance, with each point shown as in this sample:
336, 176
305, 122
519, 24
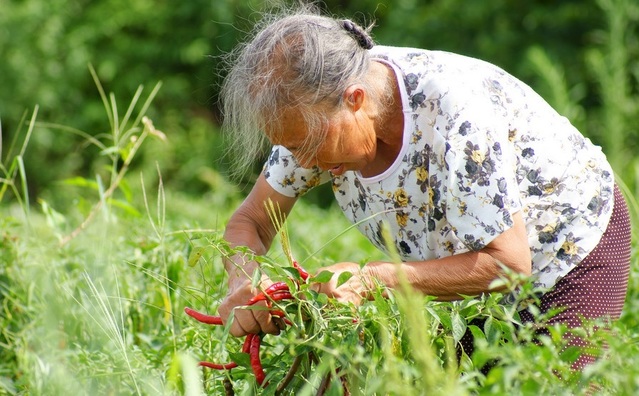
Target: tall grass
102, 315
13, 176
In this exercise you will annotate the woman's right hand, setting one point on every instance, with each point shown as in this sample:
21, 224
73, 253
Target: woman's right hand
247, 319
251, 227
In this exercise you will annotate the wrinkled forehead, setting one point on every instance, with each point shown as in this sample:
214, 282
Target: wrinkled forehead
296, 129
285, 125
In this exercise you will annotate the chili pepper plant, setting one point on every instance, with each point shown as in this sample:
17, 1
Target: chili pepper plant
399, 342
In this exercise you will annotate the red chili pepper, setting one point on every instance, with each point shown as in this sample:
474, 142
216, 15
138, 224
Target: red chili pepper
227, 366
217, 366
277, 286
275, 296
276, 292
208, 319
282, 315
246, 348
277, 313
282, 295
256, 363
303, 273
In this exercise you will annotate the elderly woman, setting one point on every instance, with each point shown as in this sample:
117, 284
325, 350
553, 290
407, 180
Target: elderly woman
468, 167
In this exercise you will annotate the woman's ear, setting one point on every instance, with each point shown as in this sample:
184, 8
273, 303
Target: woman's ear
354, 97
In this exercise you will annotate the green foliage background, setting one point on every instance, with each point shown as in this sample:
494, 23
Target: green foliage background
583, 56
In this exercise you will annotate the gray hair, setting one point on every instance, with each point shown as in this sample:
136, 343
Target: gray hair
296, 59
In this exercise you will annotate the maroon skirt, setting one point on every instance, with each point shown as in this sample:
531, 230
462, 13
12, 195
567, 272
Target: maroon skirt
594, 289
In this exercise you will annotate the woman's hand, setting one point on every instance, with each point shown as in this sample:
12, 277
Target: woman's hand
251, 227
254, 319
356, 289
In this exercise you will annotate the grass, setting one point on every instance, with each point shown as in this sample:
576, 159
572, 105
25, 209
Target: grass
102, 314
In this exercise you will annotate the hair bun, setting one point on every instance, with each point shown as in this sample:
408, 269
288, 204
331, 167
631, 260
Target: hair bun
360, 35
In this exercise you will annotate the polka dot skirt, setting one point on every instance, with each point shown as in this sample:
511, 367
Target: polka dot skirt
595, 289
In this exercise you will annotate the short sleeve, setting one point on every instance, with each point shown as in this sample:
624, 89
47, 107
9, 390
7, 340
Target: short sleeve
479, 167
287, 177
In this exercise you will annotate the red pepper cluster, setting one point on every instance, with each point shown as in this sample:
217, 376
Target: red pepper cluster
276, 292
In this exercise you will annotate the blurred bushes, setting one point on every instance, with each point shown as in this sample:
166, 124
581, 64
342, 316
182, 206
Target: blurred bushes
45, 47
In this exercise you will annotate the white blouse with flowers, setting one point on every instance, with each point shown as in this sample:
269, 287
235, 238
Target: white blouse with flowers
479, 145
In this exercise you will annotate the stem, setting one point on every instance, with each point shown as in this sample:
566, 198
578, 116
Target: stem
228, 387
290, 374
324, 385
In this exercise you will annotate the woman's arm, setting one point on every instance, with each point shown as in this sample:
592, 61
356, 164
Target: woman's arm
447, 278
250, 226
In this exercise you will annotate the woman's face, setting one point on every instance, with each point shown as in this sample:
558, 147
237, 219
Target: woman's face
350, 142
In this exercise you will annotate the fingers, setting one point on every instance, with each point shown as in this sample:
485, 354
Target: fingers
279, 322
252, 313
253, 320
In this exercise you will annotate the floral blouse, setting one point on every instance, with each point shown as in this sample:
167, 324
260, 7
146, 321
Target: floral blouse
479, 145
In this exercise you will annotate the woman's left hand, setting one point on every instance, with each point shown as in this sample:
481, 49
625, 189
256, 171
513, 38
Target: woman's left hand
354, 290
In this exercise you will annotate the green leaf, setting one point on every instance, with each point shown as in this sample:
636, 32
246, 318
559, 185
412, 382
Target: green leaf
292, 272
434, 314
570, 354
322, 277
54, 218
343, 278
492, 331
497, 284
128, 208
458, 326
445, 320
126, 190
81, 182
196, 255
242, 359
480, 357
320, 298
257, 277
110, 150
